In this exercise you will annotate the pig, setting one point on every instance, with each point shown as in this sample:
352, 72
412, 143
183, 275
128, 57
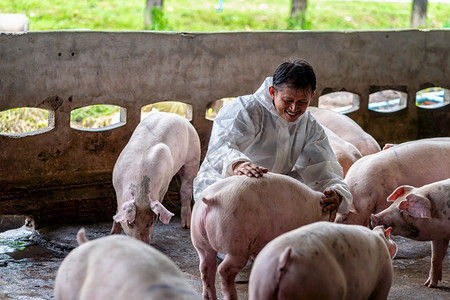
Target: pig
161, 145
325, 260
345, 152
26, 231
372, 178
346, 129
390, 145
238, 215
421, 214
119, 267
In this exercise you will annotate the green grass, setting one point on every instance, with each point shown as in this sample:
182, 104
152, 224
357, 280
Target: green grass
237, 15
23, 119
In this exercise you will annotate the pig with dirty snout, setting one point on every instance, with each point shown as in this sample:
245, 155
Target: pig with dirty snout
325, 260
119, 267
239, 215
161, 146
421, 214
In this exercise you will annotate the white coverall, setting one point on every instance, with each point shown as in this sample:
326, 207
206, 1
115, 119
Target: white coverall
250, 129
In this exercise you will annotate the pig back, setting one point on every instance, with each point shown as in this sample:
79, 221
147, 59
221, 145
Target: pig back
164, 141
120, 267
259, 209
414, 163
169, 129
325, 261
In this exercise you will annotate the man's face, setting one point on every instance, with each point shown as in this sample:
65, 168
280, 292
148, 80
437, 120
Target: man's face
290, 103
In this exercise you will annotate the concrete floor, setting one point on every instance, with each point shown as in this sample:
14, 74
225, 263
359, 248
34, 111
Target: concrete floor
30, 274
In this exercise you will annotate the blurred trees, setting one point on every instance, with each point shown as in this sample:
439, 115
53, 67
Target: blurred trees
419, 13
152, 6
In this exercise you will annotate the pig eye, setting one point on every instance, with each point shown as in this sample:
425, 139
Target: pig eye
131, 225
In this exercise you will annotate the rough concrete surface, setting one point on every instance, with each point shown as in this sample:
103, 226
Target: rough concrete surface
59, 173
30, 273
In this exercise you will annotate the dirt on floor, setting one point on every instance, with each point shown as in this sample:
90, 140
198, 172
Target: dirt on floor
30, 273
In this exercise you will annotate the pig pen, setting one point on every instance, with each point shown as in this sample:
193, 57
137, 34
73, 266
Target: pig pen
30, 273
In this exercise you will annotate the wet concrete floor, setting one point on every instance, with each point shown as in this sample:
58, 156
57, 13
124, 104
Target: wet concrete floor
29, 274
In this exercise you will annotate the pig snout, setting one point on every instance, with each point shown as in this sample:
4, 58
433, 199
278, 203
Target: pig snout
374, 221
378, 220
341, 218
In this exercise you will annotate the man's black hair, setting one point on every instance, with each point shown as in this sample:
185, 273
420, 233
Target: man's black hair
296, 73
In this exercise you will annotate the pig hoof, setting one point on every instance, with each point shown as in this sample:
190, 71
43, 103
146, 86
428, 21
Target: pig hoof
430, 283
185, 224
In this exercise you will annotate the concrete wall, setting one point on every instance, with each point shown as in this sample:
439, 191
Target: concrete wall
64, 175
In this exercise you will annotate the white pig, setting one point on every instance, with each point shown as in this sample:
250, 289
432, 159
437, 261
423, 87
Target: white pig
345, 152
161, 145
239, 215
119, 267
421, 214
372, 178
325, 260
346, 129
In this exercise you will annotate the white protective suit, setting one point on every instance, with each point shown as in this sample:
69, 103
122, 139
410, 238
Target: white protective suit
250, 129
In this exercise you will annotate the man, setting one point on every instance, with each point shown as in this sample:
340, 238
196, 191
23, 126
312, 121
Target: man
271, 130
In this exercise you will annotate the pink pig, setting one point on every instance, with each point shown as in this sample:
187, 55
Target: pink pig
162, 145
372, 178
421, 214
346, 129
119, 267
239, 215
325, 260
345, 152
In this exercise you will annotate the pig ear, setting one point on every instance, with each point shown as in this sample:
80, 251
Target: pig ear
159, 209
126, 213
400, 191
416, 206
387, 232
282, 263
207, 201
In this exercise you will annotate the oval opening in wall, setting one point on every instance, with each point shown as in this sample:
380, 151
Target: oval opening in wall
180, 108
213, 107
342, 102
432, 98
98, 117
26, 121
387, 101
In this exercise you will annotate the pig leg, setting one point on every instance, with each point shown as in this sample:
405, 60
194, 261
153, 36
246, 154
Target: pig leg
228, 270
208, 268
438, 251
187, 174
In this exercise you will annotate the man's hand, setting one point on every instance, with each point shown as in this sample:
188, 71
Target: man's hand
331, 203
249, 169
